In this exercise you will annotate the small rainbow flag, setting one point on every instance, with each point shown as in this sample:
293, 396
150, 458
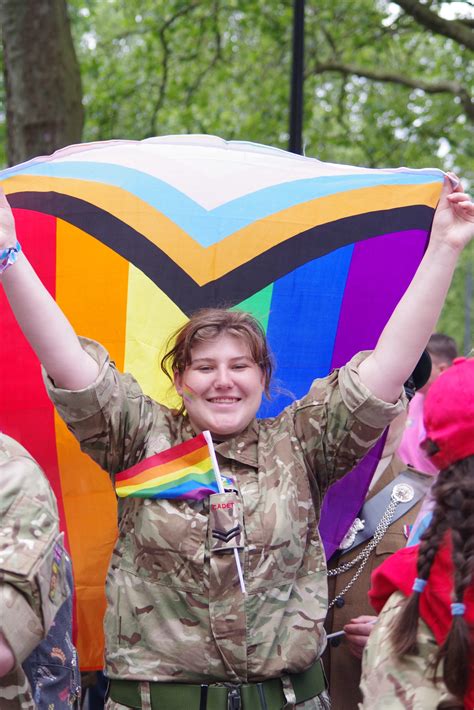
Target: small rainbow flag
185, 471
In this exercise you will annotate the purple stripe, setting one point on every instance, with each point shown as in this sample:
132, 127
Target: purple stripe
380, 271
345, 498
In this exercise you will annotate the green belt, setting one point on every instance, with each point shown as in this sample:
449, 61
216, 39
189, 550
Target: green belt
267, 695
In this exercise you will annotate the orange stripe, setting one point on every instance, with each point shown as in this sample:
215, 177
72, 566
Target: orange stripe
205, 264
92, 291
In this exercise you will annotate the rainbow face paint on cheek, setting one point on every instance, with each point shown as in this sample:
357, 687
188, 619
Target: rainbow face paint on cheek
189, 394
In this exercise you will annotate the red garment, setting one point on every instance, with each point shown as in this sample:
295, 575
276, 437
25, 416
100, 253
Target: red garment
449, 413
398, 573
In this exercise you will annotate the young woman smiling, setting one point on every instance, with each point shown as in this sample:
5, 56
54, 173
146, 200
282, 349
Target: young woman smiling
179, 630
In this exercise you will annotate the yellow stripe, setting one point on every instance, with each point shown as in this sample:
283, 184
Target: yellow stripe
205, 264
175, 477
151, 317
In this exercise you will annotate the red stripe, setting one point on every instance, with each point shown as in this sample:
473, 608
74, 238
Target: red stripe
26, 413
176, 452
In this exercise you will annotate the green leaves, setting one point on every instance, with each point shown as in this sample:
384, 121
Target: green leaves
381, 88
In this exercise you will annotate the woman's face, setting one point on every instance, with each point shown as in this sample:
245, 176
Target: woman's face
222, 387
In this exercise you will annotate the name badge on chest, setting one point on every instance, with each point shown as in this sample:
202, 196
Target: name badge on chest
225, 522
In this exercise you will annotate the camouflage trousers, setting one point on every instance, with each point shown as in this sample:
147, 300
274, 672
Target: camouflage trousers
320, 702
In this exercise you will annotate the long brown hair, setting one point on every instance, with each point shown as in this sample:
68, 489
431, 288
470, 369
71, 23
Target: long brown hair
207, 324
453, 514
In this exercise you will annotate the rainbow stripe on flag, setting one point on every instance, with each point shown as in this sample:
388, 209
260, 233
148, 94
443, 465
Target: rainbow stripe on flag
183, 472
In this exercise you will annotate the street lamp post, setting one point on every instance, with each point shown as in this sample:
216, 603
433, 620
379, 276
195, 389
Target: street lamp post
297, 79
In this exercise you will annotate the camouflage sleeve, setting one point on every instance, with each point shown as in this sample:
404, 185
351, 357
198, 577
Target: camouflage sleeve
112, 419
339, 421
396, 683
33, 583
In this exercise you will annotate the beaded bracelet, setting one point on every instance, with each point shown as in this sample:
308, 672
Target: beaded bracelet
8, 257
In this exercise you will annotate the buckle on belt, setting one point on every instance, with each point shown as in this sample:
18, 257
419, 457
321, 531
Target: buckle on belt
234, 699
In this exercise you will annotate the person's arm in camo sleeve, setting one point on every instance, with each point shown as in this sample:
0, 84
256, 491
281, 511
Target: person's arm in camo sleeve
43, 323
407, 332
33, 583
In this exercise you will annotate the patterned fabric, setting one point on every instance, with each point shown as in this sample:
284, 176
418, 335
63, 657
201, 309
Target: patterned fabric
399, 573
175, 609
395, 683
52, 668
35, 582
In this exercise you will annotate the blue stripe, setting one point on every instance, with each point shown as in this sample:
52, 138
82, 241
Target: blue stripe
208, 227
304, 320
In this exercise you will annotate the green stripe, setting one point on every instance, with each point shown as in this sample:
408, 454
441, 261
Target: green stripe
258, 305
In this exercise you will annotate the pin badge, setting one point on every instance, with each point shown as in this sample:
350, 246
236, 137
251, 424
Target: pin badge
402, 493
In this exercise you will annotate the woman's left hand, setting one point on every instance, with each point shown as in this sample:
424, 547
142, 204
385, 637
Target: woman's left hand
453, 223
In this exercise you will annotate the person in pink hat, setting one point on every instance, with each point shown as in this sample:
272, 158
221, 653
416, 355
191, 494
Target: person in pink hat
421, 652
442, 350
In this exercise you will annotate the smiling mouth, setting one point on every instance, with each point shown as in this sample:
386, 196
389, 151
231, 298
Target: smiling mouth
224, 400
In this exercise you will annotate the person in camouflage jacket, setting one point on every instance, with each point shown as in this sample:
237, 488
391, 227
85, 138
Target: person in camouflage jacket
38, 667
179, 629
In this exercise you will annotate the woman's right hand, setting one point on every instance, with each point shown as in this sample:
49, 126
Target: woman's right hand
7, 223
44, 325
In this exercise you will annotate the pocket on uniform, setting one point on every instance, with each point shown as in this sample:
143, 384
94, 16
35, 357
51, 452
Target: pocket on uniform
34, 559
277, 537
390, 543
168, 544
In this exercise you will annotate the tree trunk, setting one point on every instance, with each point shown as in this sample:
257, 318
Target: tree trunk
42, 78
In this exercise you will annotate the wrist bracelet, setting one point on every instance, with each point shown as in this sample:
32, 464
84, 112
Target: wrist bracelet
8, 256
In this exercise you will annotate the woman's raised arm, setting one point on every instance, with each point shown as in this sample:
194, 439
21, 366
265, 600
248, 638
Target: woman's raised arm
414, 319
43, 323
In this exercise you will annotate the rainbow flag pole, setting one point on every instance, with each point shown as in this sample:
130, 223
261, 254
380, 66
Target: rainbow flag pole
210, 444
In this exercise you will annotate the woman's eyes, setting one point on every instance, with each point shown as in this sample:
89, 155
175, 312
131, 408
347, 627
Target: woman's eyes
209, 368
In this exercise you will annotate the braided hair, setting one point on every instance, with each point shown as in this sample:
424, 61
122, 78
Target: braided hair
453, 515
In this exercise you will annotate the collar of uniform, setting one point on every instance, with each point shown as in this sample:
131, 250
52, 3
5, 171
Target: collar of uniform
243, 447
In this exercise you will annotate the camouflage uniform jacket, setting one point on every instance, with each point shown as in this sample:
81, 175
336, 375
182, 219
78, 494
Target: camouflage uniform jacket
175, 609
33, 571
394, 683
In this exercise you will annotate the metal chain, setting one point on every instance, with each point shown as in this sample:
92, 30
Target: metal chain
364, 554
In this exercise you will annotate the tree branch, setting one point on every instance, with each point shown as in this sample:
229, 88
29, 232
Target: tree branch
440, 87
165, 63
217, 57
454, 29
